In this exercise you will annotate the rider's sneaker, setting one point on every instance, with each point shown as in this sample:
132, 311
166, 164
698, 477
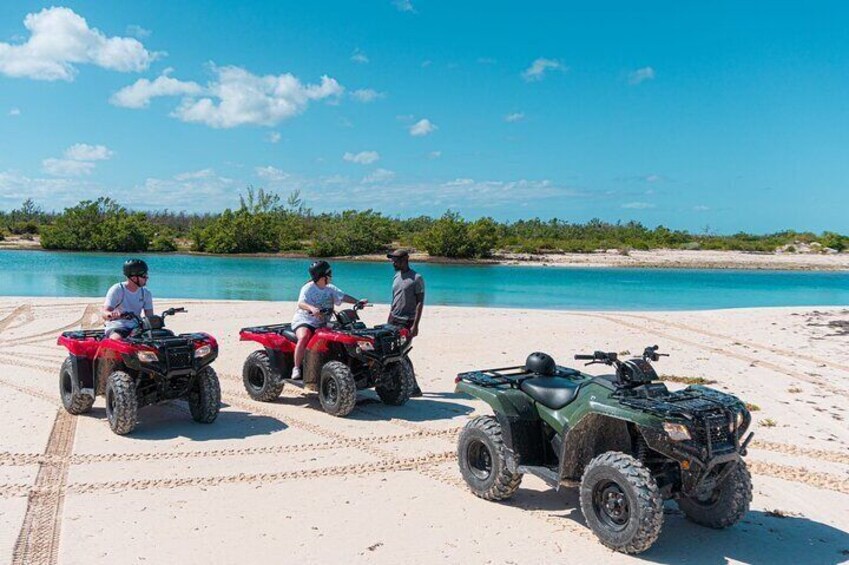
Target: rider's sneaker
296, 374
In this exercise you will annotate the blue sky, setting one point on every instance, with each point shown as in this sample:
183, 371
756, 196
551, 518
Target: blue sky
689, 115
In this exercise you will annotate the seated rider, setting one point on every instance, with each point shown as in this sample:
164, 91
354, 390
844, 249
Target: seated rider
316, 295
127, 296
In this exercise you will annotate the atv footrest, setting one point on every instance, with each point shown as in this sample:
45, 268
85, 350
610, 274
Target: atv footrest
550, 476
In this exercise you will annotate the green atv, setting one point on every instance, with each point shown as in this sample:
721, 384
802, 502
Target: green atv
625, 440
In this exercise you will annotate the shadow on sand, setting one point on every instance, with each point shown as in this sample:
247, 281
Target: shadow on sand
173, 420
370, 408
760, 538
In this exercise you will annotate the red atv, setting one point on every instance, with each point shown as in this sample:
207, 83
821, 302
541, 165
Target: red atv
151, 365
340, 359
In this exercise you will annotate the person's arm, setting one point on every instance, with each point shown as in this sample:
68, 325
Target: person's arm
148, 304
420, 295
110, 310
348, 299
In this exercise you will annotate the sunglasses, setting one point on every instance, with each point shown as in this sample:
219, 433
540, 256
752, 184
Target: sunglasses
144, 276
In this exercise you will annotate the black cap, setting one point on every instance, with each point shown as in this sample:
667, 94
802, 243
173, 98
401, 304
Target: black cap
398, 254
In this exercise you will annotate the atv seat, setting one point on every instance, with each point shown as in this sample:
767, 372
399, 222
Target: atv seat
552, 392
289, 334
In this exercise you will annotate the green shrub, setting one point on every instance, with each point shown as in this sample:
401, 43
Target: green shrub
100, 225
352, 233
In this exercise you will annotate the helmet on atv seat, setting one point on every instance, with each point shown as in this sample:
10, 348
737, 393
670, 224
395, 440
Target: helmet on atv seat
319, 269
540, 363
134, 268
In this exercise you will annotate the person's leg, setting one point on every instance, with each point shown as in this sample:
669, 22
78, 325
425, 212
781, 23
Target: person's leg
304, 334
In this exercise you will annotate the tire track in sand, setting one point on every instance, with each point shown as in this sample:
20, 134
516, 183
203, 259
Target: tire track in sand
732, 340
23, 311
38, 539
821, 383
87, 320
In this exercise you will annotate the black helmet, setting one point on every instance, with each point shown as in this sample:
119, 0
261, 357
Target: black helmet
319, 269
134, 268
540, 363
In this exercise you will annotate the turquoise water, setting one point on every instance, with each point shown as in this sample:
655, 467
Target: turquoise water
42, 273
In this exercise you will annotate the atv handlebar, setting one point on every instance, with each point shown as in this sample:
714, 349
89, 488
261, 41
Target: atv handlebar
611, 358
172, 311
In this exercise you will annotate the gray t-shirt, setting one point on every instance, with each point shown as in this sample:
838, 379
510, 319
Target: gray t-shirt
120, 297
407, 291
318, 297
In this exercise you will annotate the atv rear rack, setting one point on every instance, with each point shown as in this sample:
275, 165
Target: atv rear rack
508, 376
270, 328
84, 334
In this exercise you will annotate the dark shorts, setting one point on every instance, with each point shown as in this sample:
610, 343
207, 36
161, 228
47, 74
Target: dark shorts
123, 332
403, 323
304, 325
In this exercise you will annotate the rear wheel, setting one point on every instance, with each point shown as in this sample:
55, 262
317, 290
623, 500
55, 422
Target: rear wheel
482, 459
397, 389
73, 400
205, 398
621, 502
337, 390
725, 505
121, 402
262, 381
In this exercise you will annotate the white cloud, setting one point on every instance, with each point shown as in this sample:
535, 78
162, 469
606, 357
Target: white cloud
422, 127
460, 182
638, 205
404, 6
15, 112
274, 137
66, 167
359, 57
270, 173
238, 97
194, 175
366, 95
85, 152
60, 40
701, 208
434, 155
379, 176
138, 31
514, 117
539, 67
362, 158
139, 94
640, 75
78, 160
653, 178
486, 61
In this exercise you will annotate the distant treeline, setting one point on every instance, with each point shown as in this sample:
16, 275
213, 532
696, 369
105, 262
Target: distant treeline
264, 223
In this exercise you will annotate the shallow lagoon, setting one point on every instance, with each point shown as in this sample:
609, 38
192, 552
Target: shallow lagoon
44, 273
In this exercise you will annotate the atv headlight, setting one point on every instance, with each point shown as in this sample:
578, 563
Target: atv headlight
147, 356
203, 351
737, 424
365, 345
676, 432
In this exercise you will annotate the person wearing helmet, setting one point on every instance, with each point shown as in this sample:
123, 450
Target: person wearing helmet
128, 296
316, 295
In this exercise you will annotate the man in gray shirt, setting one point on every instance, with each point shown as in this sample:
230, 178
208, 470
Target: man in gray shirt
407, 297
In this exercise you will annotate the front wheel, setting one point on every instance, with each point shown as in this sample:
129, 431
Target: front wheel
121, 402
205, 398
73, 400
262, 381
621, 502
337, 390
725, 505
482, 460
396, 390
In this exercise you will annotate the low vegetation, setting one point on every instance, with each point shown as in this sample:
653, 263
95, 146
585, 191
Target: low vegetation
265, 223
687, 380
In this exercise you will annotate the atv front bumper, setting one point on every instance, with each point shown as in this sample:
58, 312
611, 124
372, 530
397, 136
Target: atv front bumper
698, 464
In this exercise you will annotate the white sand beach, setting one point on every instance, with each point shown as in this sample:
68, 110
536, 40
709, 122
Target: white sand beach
284, 482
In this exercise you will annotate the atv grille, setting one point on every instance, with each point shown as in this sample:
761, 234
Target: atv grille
179, 358
388, 345
714, 429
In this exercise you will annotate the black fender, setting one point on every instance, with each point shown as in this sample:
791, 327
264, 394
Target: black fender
592, 435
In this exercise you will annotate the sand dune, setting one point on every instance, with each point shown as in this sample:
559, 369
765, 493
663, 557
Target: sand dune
283, 482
